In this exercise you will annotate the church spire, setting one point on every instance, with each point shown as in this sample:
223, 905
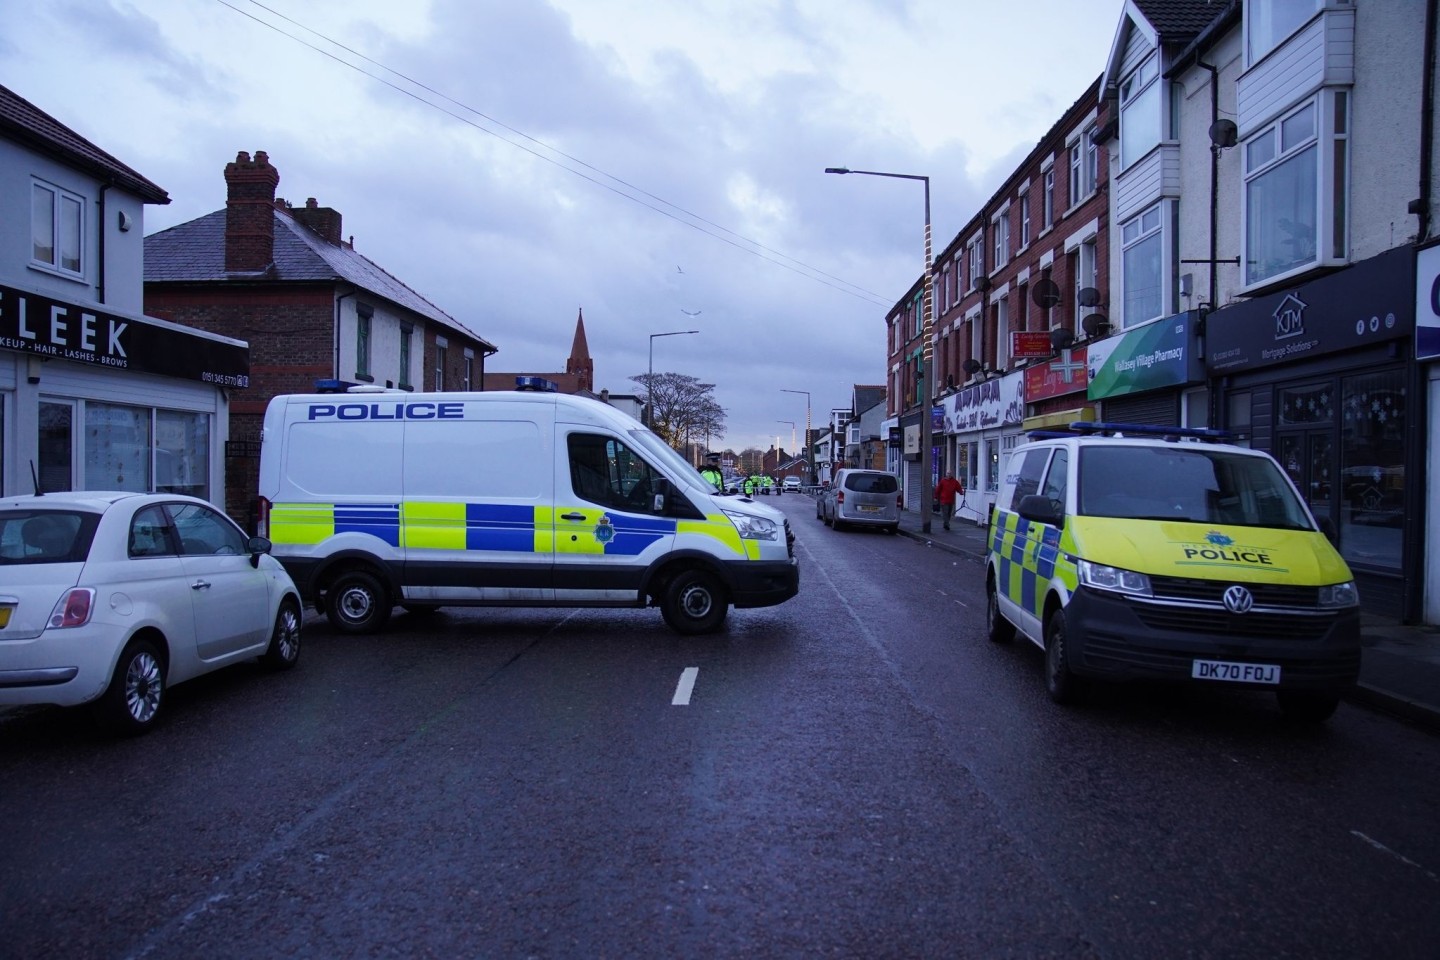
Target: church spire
580, 363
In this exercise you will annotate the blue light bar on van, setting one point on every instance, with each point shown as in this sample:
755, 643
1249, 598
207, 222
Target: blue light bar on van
1110, 428
332, 386
537, 383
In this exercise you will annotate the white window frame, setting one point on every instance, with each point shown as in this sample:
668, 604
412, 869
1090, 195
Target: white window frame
1000, 223
1269, 23
1139, 230
1141, 98
976, 251
1281, 144
1025, 220
1002, 333
66, 209
442, 349
468, 379
1047, 204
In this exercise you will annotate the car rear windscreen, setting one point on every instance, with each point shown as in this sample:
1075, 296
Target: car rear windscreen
871, 483
49, 536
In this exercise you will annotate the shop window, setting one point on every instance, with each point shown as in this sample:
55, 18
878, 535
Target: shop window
1372, 474
1300, 406
117, 448
992, 465
138, 449
57, 446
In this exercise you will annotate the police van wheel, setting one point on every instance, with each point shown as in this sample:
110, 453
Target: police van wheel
1062, 685
357, 603
1306, 707
1000, 630
694, 602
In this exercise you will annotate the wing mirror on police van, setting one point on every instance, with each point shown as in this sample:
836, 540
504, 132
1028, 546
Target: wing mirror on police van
1038, 509
662, 493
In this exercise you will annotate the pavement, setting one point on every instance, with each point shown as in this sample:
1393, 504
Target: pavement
1399, 663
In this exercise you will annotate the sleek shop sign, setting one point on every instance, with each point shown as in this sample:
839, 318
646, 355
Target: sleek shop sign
1159, 354
1368, 303
42, 326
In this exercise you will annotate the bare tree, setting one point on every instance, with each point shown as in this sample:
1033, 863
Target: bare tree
681, 407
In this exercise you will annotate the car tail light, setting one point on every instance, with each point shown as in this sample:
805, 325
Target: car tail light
900, 501
73, 609
262, 517
839, 496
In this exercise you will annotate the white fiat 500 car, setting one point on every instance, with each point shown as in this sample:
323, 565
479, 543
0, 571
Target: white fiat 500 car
109, 598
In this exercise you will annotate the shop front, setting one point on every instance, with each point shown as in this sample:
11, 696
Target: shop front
1427, 356
981, 424
1151, 374
93, 399
1321, 376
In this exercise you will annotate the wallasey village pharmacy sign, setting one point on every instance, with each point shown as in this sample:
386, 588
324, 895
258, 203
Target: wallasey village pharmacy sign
45, 327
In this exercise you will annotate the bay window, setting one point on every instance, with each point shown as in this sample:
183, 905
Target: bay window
1141, 116
1295, 191
1268, 23
1142, 265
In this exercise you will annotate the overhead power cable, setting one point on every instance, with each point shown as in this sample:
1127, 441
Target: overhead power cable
681, 215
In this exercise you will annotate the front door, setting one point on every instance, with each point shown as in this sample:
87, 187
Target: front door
1308, 456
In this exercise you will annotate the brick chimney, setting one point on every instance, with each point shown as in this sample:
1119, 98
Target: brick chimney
324, 221
250, 213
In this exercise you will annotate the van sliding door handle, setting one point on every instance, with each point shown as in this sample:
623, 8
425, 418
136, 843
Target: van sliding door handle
572, 516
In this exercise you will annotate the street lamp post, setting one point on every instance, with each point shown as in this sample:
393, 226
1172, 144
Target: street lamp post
809, 457
792, 435
927, 354
650, 377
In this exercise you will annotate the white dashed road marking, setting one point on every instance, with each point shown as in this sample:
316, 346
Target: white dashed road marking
685, 687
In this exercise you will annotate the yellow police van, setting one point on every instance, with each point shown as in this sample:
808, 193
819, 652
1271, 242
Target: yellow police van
514, 498
1160, 553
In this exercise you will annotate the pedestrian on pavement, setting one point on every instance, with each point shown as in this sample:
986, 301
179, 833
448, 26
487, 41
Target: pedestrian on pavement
945, 494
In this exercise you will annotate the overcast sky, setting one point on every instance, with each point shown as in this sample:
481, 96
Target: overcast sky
658, 164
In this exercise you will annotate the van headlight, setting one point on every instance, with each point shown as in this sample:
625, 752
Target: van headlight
1114, 579
1339, 595
753, 528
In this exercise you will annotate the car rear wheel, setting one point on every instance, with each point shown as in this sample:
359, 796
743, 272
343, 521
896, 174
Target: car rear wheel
1304, 706
695, 602
132, 703
999, 630
357, 603
1062, 685
284, 650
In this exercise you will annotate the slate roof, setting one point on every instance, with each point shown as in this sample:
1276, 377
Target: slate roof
23, 122
194, 252
1180, 21
867, 396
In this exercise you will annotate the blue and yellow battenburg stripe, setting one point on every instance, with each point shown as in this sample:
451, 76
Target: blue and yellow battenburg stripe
480, 527
1019, 575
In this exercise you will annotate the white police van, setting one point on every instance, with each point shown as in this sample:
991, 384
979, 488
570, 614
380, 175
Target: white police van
513, 498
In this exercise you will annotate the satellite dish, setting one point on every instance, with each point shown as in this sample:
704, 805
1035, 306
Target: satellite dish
1045, 293
1089, 297
982, 283
1060, 338
971, 366
1223, 133
1095, 324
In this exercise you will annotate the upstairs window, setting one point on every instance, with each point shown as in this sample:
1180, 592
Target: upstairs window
1269, 23
1047, 218
407, 333
1001, 226
1143, 266
977, 261
57, 228
1140, 112
441, 350
1024, 221
1296, 186
363, 315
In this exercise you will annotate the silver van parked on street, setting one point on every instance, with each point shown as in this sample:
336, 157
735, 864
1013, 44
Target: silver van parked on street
865, 498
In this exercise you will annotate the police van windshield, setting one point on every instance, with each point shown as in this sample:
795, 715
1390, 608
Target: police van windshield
674, 464
1187, 483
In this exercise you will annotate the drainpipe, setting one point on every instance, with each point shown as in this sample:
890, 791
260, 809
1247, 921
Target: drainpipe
1421, 207
100, 278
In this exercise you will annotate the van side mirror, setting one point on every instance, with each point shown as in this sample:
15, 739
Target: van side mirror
1038, 509
662, 493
